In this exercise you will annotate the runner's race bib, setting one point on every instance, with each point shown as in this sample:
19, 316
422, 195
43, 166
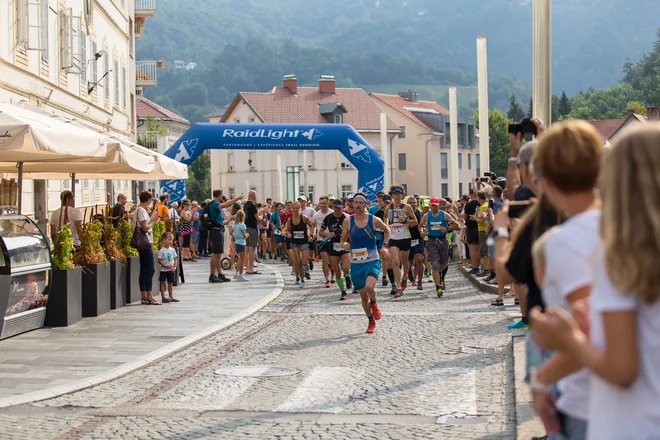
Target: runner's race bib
360, 254
299, 235
436, 226
414, 243
337, 247
397, 228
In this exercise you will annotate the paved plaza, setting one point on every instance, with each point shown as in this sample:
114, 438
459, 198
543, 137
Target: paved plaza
436, 368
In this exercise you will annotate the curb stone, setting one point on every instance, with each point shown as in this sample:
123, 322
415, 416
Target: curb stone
149, 358
480, 284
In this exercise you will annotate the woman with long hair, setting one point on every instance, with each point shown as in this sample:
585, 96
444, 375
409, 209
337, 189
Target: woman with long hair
187, 229
621, 346
299, 229
145, 220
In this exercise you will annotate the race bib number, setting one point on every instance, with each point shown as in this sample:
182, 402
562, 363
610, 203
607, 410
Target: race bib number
360, 254
336, 247
298, 235
414, 243
436, 226
398, 228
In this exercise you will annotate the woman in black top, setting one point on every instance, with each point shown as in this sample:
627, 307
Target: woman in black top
416, 256
300, 231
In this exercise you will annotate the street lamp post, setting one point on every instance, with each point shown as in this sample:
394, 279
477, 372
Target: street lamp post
542, 61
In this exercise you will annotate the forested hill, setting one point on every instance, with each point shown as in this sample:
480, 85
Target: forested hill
592, 38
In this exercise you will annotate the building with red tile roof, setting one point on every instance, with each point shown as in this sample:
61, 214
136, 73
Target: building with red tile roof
158, 136
327, 172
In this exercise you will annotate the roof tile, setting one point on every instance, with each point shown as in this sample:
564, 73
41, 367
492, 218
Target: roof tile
402, 105
149, 109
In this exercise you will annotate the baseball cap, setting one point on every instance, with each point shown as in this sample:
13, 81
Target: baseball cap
331, 197
338, 203
303, 198
416, 196
434, 201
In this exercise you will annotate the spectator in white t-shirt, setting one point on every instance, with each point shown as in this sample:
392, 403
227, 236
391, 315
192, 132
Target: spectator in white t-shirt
67, 214
621, 345
567, 165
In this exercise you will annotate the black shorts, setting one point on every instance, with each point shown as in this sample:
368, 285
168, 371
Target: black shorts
416, 248
472, 236
333, 249
323, 249
186, 241
269, 233
402, 245
166, 276
217, 238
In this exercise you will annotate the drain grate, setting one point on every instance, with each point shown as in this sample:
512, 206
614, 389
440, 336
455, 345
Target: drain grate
451, 420
476, 350
256, 371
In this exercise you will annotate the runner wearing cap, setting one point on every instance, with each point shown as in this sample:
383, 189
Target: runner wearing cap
365, 264
332, 228
300, 231
401, 218
323, 246
435, 225
350, 210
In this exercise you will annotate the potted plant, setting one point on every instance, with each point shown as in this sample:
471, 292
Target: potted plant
132, 259
115, 256
64, 305
96, 271
160, 64
157, 230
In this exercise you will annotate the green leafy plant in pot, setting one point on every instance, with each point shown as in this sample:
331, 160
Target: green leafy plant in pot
91, 251
125, 235
157, 229
64, 306
63, 249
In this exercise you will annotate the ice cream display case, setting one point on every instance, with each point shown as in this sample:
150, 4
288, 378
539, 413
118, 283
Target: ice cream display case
24, 275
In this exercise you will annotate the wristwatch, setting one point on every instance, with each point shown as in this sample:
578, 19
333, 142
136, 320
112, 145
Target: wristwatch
500, 233
537, 385
513, 159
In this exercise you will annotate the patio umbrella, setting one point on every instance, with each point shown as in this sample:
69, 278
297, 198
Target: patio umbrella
165, 168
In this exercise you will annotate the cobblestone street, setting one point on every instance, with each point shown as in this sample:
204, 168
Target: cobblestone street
421, 376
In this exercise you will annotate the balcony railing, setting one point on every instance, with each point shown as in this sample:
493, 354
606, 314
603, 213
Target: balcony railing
146, 73
149, 139
145, 8
139, 27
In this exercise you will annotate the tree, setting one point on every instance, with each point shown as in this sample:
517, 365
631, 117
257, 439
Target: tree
199, 178
498, 125
530, 110
148, 138
516, 111
564, 105
637, 107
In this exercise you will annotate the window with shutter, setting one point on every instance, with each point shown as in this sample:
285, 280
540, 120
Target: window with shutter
116, 69
106, 69
95, 70
44, 30
83, 57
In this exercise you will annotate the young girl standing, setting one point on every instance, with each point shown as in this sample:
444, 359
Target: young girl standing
240, 234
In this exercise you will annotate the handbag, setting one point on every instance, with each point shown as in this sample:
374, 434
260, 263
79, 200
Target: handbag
140, 239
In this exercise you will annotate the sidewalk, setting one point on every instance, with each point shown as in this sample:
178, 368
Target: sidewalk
53, 361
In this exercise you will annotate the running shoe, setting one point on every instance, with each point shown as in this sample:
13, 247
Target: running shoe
426, 273
399, 293
474, 271
420, 287
307, 275
349, 283
393, 291
483, 273
311, 265
518, 326
235, 275
242, 278
439, 291
355, 292
372, 326
332, 279
327, 283
384, 282
492, 282
343, 296
297, 280
414, 283
302, 284
442, 284
375, 311
404, 284
411, 277
293, 272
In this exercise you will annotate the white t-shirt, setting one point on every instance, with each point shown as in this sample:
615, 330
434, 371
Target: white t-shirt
168, 255
569, 267
318, 218
142, 214
618, 413
74, 216
309, 212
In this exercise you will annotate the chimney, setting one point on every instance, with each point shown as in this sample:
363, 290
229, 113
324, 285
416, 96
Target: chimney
630, 112
327, 85
291, 82
653, 113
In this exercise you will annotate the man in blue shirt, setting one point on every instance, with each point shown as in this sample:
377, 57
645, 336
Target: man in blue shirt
217, 235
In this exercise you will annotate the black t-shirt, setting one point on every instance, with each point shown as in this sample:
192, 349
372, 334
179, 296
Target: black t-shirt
250, 209
521, 266
333, 225
471, 209
523, 193
414, 231
117, 214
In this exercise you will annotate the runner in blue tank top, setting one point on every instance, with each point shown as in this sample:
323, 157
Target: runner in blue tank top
360, 228
436, 224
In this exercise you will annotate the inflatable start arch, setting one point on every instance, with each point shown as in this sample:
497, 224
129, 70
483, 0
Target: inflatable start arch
206, 136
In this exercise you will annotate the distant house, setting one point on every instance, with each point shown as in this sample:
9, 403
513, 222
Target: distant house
217, 114
191, 65
652, 117
179, 64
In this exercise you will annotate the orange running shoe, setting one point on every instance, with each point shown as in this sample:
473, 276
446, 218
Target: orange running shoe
399, 293
404, 284
372, 327
375, 312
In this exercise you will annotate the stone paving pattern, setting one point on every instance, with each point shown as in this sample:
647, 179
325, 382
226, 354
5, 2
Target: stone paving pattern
390, 385
50, 357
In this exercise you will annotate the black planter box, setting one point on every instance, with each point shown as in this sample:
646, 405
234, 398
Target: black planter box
95, 289
155, 289
132, 278
64, 305
117, 284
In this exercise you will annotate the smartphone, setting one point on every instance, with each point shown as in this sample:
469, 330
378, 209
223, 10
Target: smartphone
517, 209
484, 179
526, 126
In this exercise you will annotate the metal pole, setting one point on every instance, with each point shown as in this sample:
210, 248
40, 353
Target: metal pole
247, 188
482, 79
542, 61
280, 194
20, 187
73, 187
305, 173
338, 159
453, 148
384, 150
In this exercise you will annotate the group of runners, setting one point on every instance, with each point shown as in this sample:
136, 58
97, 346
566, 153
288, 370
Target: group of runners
356, 242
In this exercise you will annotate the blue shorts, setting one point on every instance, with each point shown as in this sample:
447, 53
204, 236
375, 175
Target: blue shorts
279, 238
239, 248
491, 252
360, 272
